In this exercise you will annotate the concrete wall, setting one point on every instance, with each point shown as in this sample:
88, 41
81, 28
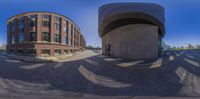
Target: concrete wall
134, 41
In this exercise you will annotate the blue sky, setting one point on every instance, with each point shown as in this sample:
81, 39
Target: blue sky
182, 17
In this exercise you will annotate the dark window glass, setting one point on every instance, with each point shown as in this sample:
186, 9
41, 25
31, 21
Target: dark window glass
66, 40
21, 25
57, 26
45, 51
21, 18
45, 36
32, 16
13, 39
32, 52
21, 22
12, 26
45, 23
57, 51
45, 16
21, 37
65, 51
57, 38
32, 23
32, 36
13, 30
21, 30
65, 22
57, 18
64, 29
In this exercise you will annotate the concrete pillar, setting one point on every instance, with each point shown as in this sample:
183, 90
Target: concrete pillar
69, 34
52, 28
51, 52
63, 34
72, 35
62, 51
38, 27
38, 51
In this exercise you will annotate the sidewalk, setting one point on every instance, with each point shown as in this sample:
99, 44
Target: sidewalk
30, 59
140, 64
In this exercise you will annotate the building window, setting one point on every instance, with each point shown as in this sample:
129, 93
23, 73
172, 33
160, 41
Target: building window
66, 51
65, 22
32, 36
21, 30
12, 29
72, 42
57, 18
21, 37
64, 29
72, 30
45, 51
12, 26
57, 26
57, 51
69, 42
32, 16
21, 25
32, 52
45, 23
21, 18
13, 39
66, 40
57, 38
21, 51
32, 23
21, 22
45, 16
45, 36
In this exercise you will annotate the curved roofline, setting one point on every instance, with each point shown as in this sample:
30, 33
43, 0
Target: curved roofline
112, 12
153, 20
44, 12
109, 4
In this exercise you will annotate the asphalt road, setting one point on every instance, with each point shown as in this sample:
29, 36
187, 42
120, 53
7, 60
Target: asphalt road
88, 75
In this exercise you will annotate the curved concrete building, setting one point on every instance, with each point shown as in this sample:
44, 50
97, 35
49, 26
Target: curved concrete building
132, 30
43, 34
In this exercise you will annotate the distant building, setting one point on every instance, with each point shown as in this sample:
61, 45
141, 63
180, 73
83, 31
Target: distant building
132, 30
43, 34
3, 47
165, 47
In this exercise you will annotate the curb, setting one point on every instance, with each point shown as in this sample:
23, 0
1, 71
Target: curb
28, 61
34, 61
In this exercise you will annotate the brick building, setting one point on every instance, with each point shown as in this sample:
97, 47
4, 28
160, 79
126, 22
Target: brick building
43, 34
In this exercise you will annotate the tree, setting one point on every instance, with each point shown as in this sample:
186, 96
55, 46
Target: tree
182, 48
3, 46
198, 46
173, 48
190, 46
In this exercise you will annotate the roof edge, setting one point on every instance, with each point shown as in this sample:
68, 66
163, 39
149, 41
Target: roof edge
43, 12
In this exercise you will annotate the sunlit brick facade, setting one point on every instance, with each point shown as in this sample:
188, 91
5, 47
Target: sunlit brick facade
43, 34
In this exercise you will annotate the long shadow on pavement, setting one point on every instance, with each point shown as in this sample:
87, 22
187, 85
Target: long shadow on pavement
150, 82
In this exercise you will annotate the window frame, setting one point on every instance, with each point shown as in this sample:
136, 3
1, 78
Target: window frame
21, 37
32, 36
45, 37
45, 23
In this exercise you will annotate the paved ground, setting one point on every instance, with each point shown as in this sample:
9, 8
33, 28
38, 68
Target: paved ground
89, 75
